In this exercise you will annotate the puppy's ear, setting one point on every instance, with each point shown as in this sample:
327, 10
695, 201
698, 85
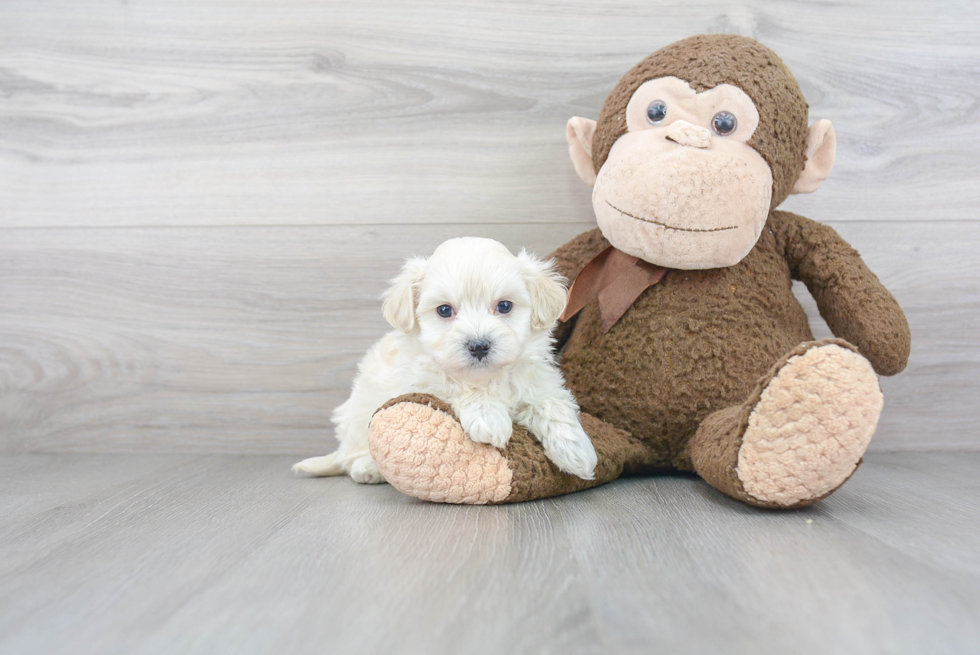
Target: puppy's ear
546, 287
400, 300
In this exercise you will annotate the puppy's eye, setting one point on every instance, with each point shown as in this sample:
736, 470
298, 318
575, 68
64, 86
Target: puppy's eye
445, 311
724, 123
657, 112
504, 307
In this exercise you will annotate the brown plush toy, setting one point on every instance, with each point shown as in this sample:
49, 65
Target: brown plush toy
682, 341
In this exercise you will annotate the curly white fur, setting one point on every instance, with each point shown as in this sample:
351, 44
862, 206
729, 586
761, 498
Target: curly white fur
517, 380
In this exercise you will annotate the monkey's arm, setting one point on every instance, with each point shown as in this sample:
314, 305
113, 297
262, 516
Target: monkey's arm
855, 304
570, 259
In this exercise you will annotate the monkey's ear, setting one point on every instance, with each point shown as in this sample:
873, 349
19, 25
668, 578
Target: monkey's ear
579, 133
821, 148
399, 301
546, 286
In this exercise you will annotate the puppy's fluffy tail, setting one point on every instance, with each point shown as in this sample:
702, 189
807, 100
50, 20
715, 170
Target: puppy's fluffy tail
320, 466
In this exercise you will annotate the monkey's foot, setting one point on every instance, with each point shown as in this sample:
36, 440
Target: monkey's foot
802, 433
421, 449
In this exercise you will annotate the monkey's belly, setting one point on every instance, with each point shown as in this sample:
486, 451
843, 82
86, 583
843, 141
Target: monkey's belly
694, 344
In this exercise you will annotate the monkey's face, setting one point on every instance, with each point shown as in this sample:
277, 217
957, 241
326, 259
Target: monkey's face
682, 188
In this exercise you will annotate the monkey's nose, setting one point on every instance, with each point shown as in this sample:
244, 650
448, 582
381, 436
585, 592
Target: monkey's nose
688, 134
479, 348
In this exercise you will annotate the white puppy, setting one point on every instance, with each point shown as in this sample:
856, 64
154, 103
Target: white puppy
474, 329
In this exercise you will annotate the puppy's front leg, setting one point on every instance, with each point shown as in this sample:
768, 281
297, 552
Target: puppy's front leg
485, 420
554, 421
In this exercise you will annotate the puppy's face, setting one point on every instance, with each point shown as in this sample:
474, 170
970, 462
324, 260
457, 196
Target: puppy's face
474, 304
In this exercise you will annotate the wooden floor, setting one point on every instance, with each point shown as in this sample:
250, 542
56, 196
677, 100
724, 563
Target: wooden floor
232, 554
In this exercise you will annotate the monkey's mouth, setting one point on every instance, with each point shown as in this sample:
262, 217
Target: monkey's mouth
671, 227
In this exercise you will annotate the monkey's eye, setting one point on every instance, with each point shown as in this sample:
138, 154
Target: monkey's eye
504, 307
724, 123
657, 112
445, 311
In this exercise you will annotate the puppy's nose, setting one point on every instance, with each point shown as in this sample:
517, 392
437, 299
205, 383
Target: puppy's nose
479, 348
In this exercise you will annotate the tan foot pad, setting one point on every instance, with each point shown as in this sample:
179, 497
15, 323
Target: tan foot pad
423, 452
811, 426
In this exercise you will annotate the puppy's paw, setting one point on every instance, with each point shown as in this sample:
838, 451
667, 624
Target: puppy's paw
320, 466
365, 470
486, 425
569, 447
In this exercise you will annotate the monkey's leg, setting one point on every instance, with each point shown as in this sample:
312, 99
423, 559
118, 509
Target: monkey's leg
422, 450
801, 433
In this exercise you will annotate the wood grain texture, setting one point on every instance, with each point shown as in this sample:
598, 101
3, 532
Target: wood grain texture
220, 554
298, 112
244, 339
200, 201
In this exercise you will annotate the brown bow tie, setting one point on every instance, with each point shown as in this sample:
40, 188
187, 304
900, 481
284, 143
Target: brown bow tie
616, 279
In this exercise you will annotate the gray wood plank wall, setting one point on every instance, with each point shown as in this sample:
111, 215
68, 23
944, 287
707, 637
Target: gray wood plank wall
200, 201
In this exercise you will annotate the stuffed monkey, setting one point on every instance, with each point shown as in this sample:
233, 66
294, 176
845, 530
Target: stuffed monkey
682, 340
